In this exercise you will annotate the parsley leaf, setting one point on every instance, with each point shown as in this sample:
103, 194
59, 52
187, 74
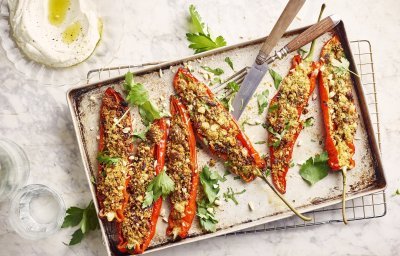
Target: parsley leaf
309, 122
216, 71
86, 219
200, 39
229, 62
206, 213
233, 86
209, 180
107, 160
397, 192
262, 101
138, 96
230, 195
197, 26
342, 66
315, 169
276, 77
161, 185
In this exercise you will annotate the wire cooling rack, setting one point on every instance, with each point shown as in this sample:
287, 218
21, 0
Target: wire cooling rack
362, 208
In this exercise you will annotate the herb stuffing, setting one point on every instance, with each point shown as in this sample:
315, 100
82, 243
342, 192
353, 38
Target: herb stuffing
200, 38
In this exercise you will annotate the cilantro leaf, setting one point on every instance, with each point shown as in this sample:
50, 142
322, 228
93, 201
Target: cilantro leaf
216, 71
229, 62
276, 77
231, 195
262, 101
161, 185
397, 192
309, 122
200, 39
86, 219
107, 160
315, 169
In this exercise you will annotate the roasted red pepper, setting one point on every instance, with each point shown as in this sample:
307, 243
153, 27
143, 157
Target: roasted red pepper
120, 146
137, 229
338, 109
216, 128
285, 109
182, 168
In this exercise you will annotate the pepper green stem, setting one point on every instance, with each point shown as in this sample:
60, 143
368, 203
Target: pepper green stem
291, 207
311, 52
344, 174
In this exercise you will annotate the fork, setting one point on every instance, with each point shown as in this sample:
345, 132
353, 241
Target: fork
304, 38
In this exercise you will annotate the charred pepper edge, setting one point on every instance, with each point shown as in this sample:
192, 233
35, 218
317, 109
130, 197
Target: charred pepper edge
177, 108
110, 92
159, 155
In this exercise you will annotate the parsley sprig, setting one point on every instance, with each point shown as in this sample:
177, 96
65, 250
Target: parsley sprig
206, 207
85, 218
200, 38
138, 96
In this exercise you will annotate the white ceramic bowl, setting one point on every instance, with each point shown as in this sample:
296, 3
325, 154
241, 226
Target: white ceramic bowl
111, 13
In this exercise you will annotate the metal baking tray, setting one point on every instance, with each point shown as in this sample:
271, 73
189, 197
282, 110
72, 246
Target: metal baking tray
368, 176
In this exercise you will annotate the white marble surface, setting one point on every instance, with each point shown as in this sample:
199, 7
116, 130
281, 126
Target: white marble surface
37, 118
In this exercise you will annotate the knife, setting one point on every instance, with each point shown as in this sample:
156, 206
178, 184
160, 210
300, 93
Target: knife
260, 66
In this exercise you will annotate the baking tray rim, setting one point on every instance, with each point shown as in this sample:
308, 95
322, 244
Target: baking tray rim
381, 184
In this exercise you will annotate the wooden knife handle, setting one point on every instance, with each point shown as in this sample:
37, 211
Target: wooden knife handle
313, 32
287, 16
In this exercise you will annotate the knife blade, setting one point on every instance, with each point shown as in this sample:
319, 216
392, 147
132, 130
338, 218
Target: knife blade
259, 68
247, 88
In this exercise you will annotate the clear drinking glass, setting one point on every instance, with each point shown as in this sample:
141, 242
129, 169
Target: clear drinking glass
14, 168
36, 212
